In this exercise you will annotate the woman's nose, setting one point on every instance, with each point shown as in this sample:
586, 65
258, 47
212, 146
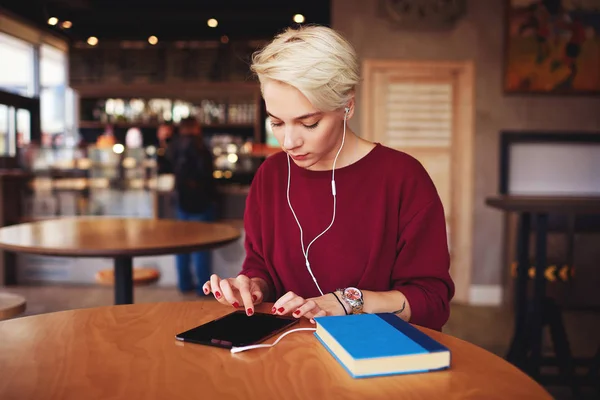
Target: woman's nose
291, 140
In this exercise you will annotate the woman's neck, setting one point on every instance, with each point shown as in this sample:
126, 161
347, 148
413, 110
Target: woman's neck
354, 149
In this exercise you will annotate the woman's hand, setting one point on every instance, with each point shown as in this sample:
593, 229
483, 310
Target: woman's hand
236, 291
291, 303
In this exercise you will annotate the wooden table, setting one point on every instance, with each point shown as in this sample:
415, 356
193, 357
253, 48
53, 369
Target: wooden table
119, 238
130, 352
11, 305
525, 348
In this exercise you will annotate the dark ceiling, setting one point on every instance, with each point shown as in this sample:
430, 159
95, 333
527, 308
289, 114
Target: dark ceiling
169, 19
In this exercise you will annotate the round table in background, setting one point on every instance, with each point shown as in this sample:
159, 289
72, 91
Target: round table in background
118, 238
130, 352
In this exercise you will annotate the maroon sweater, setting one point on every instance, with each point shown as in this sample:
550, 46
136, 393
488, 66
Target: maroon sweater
389, 232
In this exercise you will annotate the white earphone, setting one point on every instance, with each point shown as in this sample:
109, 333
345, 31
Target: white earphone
333, 192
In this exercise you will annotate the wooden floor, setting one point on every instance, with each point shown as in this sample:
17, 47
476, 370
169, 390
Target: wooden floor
487, 327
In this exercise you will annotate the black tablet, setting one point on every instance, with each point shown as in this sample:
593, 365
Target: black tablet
237, 329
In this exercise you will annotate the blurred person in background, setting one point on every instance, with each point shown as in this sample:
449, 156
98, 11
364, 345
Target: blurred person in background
192, 164
164, 134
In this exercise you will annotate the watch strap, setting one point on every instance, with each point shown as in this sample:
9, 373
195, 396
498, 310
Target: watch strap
339, 301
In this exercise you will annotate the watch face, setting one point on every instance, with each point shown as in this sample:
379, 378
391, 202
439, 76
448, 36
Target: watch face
353, 294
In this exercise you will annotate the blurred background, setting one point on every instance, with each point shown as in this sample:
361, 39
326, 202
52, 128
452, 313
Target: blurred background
494, 97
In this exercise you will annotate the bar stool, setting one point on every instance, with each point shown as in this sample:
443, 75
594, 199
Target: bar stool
560, 273
11, 305
141, 276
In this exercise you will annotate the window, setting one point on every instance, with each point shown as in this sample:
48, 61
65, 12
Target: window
23, 127
7, 131
53, 86
16, 66
3, 130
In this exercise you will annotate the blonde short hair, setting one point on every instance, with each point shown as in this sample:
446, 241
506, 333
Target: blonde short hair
316, 60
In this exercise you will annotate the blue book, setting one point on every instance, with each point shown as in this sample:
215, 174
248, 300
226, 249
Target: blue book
370, 345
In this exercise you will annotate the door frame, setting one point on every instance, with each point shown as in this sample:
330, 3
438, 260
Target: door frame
31, 104
462, 151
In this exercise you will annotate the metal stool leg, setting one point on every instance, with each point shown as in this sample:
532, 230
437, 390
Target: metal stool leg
123, 280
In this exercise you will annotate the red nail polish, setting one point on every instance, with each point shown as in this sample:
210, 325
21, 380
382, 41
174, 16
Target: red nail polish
217, 294
236, 304
205, 291
273, 310
281, 309
297, 312
250, 311
254, 298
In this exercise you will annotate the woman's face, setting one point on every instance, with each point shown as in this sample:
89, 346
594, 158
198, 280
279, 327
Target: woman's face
311, 137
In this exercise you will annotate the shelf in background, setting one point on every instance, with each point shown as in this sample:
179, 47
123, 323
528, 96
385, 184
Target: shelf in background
99, 124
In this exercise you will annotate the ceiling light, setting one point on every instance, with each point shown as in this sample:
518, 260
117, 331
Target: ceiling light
153, 40
212, 23
66, 24
298, 18
52, 21
92, 40
118, 148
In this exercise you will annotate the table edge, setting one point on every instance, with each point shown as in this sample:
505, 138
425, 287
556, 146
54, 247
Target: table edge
155, 251
80, 252
202, 303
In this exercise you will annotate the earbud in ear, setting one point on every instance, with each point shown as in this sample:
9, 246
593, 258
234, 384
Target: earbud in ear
347, 110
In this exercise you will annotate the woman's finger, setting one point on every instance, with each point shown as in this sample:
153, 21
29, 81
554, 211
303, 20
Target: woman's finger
291, 305
257, 296
307, 309
277, 307
215, 283
243, 286
206, 288
256, 292
228, 293
321, 313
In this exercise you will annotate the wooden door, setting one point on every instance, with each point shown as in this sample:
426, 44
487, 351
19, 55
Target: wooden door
425, 110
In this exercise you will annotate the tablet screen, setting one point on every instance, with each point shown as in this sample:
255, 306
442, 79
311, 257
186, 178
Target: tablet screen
237, 329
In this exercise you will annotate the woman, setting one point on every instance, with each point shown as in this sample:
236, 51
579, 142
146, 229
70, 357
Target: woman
374, 240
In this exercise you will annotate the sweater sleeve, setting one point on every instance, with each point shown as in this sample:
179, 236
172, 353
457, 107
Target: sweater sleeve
421, 271
422, 267
254, 265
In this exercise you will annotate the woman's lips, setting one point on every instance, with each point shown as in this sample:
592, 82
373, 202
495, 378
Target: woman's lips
299, 157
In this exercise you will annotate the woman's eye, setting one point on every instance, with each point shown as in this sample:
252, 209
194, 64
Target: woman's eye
276, 124
313, 126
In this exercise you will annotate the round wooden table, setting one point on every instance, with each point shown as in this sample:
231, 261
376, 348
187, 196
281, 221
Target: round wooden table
130, 352
119, 238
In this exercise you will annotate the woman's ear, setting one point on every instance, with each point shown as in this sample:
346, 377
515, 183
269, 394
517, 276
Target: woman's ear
350, 107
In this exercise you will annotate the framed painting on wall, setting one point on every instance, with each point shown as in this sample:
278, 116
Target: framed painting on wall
552, 47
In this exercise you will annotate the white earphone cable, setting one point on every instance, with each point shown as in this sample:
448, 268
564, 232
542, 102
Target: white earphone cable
334, 193
258, 346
